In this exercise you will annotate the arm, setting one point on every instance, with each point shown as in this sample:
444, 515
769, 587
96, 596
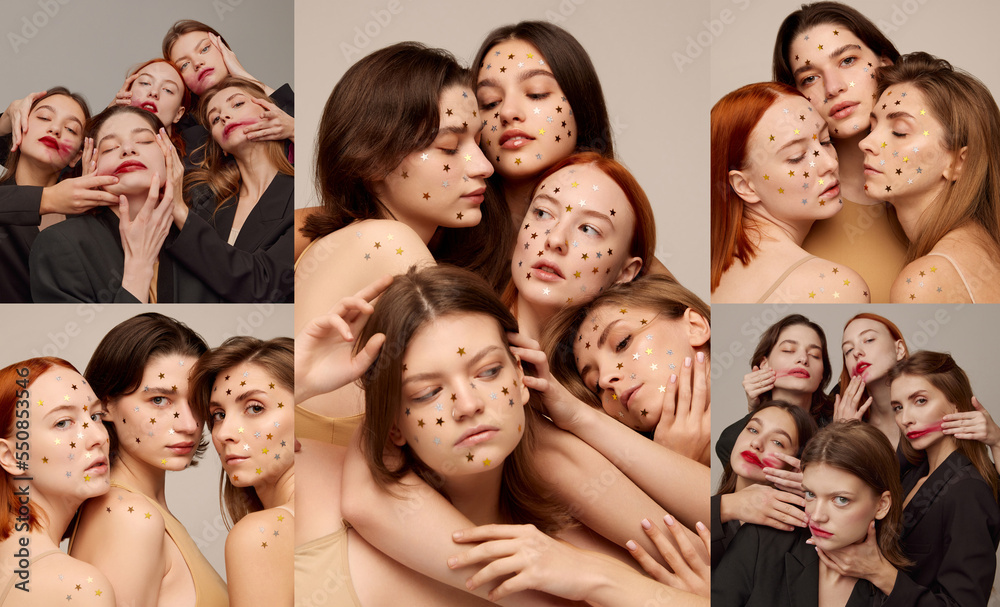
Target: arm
975, 425
247, 558
929, 279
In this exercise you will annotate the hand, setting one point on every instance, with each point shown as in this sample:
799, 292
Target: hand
691, 572
124, 94
763, 505
862, 560
229, 57
78, 195
143, 237
15, 118
274, 124
975, 425
88, 157
557, 402
175, 175
323, 359
756, 382
529, 559
789, 480
685, 425
846, 407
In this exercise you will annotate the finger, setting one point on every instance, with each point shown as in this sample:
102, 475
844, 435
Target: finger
705, 534
270, 134
367, 354
978, 405
125, 221
153, 196
523, 341
485, 533
668, 413
791, 460
684, 547
699, 393
868, 403
264, 103
375, 288
648, 563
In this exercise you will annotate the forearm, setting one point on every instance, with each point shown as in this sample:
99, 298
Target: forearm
623, 587
136, 279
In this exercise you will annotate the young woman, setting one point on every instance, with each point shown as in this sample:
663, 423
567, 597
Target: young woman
140, 371
448, 334
238, 240
773, 438
872, 346
932, 154
951, 519
47, 136
241, 388
588, 227
157, 87
851, 484
831, 53
54, 455
114, 255
774, 173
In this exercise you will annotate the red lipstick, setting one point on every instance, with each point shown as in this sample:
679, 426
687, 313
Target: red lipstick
820, 533
751, 457
129, 166
912, 434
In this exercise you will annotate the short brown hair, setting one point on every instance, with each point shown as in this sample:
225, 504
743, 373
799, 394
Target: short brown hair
821, 406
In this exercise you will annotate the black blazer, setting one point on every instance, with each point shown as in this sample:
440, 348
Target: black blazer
258, 268
951, 530
722, 533
81, 260
19, 220
769, 568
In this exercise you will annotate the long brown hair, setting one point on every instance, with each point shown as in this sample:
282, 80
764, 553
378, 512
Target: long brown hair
414, 299
805, 428
185, 93
894, 332
182, 27
863, 451
11, 393
821, 406
662, 294
385, 107
970, 118
941, 370
220, 171
12, 161
277, 356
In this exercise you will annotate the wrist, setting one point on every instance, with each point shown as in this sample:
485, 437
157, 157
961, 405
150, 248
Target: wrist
47, 203
727, 507
885, 578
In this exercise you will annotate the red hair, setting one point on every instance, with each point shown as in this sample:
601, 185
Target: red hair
734, 117
9, 390
175, 135
643, 243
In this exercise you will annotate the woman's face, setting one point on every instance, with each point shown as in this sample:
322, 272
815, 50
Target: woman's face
127, 148
462, 409
444, 184
840, 506
199, 61
797, 360
529, 124
905, 154
253, 426
835, 70
627, 356
919, 407
229, 112
769, 431
159, 89
155, 424
792, 166
869, 349
575, 239
69, 444
55, 132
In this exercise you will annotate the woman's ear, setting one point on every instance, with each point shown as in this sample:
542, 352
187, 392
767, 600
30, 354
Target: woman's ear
900, 350
77, 157
8, 461
396, 436
519, 377
630, 270
698, 328
764, 364
180, 112
884, 61
954, 169
884, 503
742, 186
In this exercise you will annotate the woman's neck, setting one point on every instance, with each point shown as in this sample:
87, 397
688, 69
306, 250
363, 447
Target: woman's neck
880, 414
531, 318
30, 172
518, 197
832, 577
135, 204
743, 482
910, 209
256, 169
852, 168
278, 493
939, 451
772, 228
58, 514
802, 400
144, 478
477, 496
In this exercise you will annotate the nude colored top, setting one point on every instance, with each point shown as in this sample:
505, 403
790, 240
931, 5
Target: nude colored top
323, 574
781, 279
865, 238
330, 430
12, 579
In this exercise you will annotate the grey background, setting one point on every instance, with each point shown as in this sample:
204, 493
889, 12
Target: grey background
72, 332
659, 113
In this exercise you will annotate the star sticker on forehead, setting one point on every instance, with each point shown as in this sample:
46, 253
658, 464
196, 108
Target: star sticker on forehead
161, 376
461, 352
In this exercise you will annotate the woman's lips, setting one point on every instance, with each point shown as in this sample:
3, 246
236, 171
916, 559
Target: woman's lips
129, 166
628, 395
803, 373
912, 434
204, 73
861, 367
149, 106
831, 192
476, 196
820, 533
235, 460
181, 448
751, 457
843, 109
49, 141
547, 271
477, 435
229, 128
870, 170
513, 139
100, 466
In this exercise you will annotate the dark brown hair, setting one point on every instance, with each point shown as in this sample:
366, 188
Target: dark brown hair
277, 357
805, 428
821, 406
116, 367
941, 370
185, 26
863, 451
819, 13
662, 294
11, 167
94, 124
385, 107
413, 300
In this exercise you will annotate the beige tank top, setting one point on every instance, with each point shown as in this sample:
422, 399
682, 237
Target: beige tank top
330, 430
323, 574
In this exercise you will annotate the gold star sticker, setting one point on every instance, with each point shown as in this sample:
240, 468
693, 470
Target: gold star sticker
791, 173
926, 133
458, 215
269, 435
149, 515
812, 295
574, 184
45, 460
469, 456
836, 295
264, 450
883, 144
620, 365
836, 33
461, 352
912, 296
87, 478
796, 131
922, 112
486, 462
280, 518
258, 470
131, 509
263, 544
163, 461
584, 256
399, 251
378, 245
766, 178
820, 47
922, 273
541, 131
468, 157
781, 190
240, 430
847, 283
98, 592
835, 270
57, 441
40, 403
569, 208
820, 182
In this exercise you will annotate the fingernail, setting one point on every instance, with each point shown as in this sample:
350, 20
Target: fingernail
631, 545
687, 361
457, 535
701, 357
673, 378
646, 524
452, 561
669, 520
701, 526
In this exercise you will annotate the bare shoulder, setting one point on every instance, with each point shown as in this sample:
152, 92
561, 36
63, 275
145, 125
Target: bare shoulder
822, 281
263, 533
929, 279
123, 516
60, 578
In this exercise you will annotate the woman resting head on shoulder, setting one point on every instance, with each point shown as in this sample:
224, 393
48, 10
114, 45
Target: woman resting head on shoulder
54, 455
774, 173
932, 154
